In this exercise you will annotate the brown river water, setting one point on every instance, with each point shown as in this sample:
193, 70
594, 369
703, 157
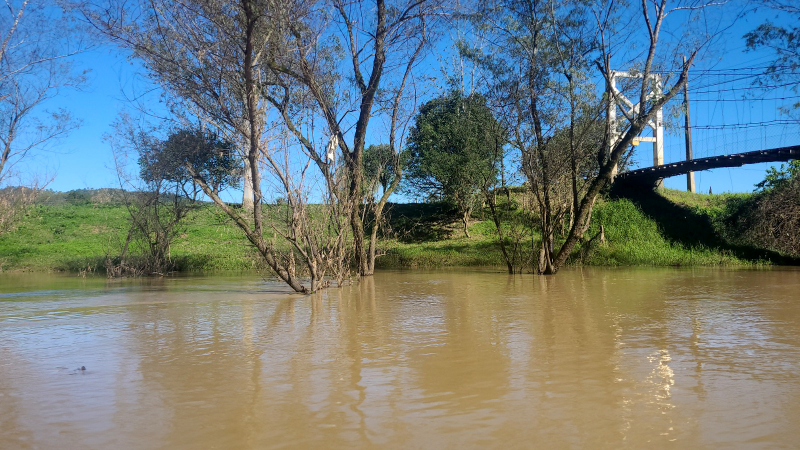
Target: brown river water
408, 360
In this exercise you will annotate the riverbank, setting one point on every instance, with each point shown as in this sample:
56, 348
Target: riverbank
670, 228
645, 228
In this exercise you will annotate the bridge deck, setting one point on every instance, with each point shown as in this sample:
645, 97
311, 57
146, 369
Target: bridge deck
650, 175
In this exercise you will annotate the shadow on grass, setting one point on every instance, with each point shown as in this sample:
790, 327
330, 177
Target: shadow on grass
442, 255
421, 222
88, 265
97, 264
686, 226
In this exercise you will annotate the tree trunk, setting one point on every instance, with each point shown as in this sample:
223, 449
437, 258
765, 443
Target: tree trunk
354, 198
465, 219
378, 213
491, 198
604, 178
247, 195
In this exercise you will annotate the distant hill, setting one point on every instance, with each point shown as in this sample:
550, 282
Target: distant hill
102, 196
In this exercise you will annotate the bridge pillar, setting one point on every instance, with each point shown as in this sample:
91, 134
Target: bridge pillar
630, 110
658, 145
613, 133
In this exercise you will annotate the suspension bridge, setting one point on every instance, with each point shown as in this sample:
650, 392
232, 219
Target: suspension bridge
651, 176
725, 118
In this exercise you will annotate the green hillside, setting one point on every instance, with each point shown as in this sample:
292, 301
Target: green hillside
73, 233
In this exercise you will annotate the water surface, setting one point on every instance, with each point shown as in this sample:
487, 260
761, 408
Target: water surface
431, 360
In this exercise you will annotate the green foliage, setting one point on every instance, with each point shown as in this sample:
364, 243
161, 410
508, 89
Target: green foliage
379, 165
454, 146
78, 197
637, 238
721, 224
208, 155
784, 41
780, 177
642, 232
771, 217
156, 214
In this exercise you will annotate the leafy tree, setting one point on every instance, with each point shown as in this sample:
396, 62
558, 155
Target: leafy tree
780, 177
204, 151
453, 146
157, 209
784, 41
540, 54
379, 166
539, 60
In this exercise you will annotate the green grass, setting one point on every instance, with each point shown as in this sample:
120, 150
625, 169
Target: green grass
669, 228
454, 249
62, 237
674, 228
633, 238
69, 237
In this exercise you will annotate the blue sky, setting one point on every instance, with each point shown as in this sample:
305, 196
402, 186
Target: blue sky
84, 160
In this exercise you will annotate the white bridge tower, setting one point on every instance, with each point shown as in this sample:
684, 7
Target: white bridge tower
630, 110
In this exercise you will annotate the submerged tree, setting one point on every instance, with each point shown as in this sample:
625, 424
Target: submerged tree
268, 75
540, 82
164, 193
540, 62
213, 63
453, 151
381, 43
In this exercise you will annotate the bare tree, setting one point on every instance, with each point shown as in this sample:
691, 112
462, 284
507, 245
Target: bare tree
377, 40
541, 57
211, 59
258, 69
35, 50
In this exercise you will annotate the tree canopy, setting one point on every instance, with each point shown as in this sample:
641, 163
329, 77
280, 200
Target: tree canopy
204, 151
454, 149
379, 165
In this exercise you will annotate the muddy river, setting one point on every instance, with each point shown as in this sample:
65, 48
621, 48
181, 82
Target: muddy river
588, 359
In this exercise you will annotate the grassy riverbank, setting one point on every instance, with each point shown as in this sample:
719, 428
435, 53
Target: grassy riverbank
72, 238
670, 228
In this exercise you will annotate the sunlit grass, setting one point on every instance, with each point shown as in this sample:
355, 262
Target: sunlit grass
73, 237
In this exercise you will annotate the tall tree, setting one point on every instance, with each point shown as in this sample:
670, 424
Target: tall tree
377, 39
269, 76
453, 150
36, 46
540, 61
211, 59
658, 59
544, 95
